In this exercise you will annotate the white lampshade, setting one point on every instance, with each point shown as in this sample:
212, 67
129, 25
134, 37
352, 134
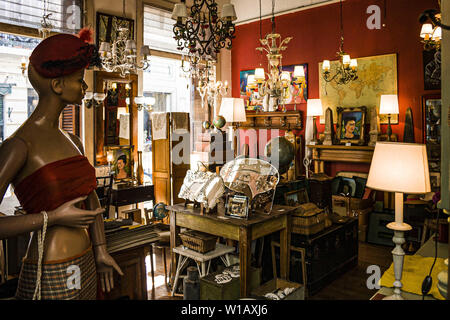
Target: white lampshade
389, 104
109, 156
260, 74
228, 12
399, 167
149, 101
99, 97
179, 11
314, 108
298, 72
346, 59
88, 95
437, 34
353, 63
326, 65
285, 76
105, 47
139, 100
233, 110
427, 30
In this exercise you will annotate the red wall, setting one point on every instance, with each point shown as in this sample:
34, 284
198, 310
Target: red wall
316, 35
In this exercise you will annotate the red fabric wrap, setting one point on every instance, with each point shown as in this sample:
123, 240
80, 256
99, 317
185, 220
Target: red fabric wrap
61, 55
56, 183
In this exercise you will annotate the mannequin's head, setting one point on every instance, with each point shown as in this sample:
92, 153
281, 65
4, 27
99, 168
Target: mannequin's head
70, 89
57, 66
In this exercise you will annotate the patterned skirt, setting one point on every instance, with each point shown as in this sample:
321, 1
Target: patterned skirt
70, 279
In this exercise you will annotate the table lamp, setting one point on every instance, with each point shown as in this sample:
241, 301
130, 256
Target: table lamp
389, 105
233, 110
314, 109
400, 168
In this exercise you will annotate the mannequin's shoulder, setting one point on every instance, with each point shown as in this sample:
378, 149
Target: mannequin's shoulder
76, 140
14, 146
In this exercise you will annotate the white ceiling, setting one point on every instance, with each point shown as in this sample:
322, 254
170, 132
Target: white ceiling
248, 10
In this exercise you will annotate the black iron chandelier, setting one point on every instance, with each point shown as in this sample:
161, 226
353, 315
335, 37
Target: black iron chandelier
346, 71
202, 32
431, 33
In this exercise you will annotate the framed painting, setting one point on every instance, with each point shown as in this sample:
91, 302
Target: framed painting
377, 75
432, 69
350, 126
121, 161
297, 93
237, 206
108, 26
251, 97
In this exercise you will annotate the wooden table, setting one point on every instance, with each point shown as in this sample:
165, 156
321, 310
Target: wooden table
244, 231
339, 153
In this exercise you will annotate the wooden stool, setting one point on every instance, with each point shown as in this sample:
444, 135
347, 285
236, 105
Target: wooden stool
200, 259
302, 251
163, 245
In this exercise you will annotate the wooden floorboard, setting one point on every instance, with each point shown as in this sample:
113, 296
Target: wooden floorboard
351, 285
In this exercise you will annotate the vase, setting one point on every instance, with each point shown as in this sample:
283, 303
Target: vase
140, 169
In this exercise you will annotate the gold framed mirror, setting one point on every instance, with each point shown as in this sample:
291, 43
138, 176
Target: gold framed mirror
115, 118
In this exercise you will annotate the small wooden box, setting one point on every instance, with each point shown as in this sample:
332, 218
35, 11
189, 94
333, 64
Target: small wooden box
276, 283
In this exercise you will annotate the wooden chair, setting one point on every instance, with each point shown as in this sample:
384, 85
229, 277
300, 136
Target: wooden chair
104, 191
163, 244
303, 257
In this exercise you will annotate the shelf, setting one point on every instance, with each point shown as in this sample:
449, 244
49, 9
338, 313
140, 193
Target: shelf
339, 153
289, 120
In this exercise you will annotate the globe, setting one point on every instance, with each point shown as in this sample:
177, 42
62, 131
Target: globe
280, 153
206, 125
159, 211
219, 122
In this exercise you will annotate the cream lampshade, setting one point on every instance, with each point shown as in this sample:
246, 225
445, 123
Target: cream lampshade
426, 31
233, 110
314, 108
259, 74
389, 104
400, 168
299, 72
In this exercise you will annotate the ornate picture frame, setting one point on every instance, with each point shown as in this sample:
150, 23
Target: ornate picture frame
237, 206
107, 27
122, 164
350, 125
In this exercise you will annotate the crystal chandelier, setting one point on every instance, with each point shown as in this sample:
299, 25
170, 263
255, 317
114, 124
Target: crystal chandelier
346, 71
121, 55
46, 25
207, 84
202, 32
275, 89
431, 33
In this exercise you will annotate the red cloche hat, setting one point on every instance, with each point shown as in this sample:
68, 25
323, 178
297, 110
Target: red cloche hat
64, 54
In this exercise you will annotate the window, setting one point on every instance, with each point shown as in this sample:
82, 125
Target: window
163, 80
65, 15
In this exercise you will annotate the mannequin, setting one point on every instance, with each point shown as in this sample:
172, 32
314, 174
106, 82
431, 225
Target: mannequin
53, 180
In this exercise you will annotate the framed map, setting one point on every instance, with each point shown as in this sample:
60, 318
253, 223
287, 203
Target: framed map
377, 75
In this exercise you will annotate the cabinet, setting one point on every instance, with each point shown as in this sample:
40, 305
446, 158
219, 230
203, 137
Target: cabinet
431, 105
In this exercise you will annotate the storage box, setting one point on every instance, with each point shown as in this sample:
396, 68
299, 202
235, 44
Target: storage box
198, 241
308, 219
211, 290
358, 207
273, 285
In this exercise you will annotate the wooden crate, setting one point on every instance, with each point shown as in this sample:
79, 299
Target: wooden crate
277, 283
308, 220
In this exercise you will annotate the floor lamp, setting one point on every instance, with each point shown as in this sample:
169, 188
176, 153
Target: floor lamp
400, 168
233, 110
